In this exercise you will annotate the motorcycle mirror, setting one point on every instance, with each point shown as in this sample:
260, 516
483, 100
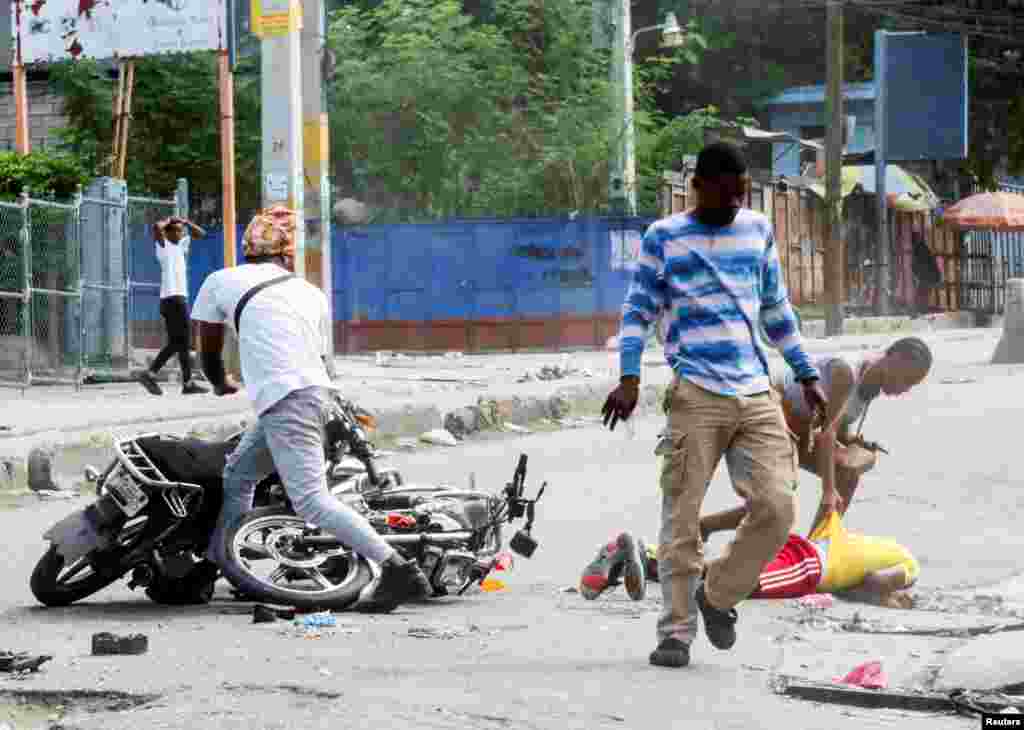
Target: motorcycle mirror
92, 474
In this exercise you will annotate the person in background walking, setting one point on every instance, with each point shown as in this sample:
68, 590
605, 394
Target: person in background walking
172, 248
715, 271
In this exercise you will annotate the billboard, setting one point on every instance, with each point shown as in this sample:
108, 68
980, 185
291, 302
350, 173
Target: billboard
922, 92
57, 30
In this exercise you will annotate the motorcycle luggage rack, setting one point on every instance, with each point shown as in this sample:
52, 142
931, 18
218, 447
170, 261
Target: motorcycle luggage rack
176, 495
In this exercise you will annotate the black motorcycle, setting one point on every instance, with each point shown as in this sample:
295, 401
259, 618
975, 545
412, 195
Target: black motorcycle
159, 499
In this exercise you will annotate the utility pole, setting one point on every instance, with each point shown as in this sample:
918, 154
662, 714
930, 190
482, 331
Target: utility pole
621, 178
315, 145
883, 243
226, 83
835, 250
277, 23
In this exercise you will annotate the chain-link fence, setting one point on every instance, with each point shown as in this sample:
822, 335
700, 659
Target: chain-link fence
79, 286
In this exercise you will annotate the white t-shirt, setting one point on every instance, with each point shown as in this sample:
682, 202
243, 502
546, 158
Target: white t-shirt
284, 329
173, 274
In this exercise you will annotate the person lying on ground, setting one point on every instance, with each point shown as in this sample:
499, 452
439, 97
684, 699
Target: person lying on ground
829, 560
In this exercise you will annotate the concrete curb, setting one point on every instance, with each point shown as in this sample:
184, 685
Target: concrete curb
487, 414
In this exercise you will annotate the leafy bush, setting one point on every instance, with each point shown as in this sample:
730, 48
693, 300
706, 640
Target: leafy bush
42, 172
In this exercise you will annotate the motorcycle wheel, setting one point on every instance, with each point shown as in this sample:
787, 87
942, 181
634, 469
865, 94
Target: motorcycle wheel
269, 571
48, 587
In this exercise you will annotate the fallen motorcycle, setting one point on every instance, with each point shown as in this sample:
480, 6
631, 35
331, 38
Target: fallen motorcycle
158, 501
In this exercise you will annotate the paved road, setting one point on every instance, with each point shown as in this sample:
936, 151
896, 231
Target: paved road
539, 657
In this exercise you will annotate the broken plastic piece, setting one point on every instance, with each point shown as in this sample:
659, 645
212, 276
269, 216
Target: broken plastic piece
817, 600
490, 585
504, 561
868, 675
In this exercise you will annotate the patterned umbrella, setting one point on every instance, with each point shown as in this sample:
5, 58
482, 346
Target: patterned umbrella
988, 211
905, 191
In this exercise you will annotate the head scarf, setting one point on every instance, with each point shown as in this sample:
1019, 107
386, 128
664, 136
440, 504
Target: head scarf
271, 233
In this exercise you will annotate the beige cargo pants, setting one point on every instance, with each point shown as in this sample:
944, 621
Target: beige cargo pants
752, 435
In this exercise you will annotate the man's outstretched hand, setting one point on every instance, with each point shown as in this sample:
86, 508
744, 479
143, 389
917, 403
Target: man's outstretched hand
816, 399
621, 402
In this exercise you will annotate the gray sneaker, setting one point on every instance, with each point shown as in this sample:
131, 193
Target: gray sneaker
145, 377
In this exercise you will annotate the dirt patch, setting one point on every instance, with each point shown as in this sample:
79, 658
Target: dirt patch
47, 710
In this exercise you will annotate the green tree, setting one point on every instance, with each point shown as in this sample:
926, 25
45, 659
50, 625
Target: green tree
174, 129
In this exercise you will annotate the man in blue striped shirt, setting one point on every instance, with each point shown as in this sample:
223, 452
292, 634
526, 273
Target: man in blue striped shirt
714, 272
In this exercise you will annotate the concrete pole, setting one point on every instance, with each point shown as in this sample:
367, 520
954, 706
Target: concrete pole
835, 269
882, 243
278, 26
316, 155
621, 187
226, 78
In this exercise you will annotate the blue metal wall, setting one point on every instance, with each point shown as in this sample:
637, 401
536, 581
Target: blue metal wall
455, 270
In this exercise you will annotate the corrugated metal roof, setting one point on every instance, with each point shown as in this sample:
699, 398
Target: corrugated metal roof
816, 94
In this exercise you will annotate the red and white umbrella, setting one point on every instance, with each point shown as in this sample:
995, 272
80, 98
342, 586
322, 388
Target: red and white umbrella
988, 211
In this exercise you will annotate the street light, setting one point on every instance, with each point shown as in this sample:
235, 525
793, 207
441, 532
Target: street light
622, 182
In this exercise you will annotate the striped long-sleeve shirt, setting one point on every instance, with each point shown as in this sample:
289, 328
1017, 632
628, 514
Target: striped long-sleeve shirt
715, 285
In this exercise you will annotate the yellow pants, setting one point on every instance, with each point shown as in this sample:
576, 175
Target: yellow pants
851, 557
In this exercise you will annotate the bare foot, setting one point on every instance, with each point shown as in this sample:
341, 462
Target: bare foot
899, 599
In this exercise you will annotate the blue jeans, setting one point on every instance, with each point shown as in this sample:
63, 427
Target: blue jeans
289, 436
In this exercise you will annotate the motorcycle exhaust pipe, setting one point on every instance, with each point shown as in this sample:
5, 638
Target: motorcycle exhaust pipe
424, 538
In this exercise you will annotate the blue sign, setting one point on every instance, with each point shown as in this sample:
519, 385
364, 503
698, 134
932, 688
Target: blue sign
922, 95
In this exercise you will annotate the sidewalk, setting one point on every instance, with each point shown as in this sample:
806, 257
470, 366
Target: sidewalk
410, 393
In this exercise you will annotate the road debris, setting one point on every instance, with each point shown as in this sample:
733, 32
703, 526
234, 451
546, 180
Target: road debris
439, 437
960, 701
514, 428
570, 589
436, 632
820, 601
264, 614
21, 662
406, 444
868, 675
957, 381
107, 644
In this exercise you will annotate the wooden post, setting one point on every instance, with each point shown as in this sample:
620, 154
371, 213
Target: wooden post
122, 157
22, 140
834, 279
115, 144
227, 154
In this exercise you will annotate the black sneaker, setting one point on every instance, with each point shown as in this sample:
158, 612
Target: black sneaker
720, 625
671, 653
149, 382
193, 388
398, 583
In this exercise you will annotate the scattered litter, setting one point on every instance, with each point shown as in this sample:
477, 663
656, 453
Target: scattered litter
571, 589
264, 614
957, 381
755, 667
490, 585
613, 718
434, 632
817, 600
516, 428
406, 444
325, 618
325, 672
19, 663
551, 372
868, 675
439, 437
107, 644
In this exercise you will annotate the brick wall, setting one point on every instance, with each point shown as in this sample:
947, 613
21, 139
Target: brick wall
45, 115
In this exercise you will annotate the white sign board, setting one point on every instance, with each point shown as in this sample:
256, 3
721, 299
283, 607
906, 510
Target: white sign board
57, 30
625, 249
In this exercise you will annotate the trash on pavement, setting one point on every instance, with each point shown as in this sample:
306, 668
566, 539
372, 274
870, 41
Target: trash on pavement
264, 614
107, 644
18, 662
514, 428
439, 437
324, 618
868, 675
490, 585
817, 600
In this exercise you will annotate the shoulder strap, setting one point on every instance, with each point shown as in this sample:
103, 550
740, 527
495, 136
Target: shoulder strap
253, 292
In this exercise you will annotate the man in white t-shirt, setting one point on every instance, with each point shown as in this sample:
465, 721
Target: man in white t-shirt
172, 248
283, 346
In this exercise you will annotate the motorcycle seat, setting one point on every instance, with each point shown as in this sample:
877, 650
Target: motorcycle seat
193, 461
